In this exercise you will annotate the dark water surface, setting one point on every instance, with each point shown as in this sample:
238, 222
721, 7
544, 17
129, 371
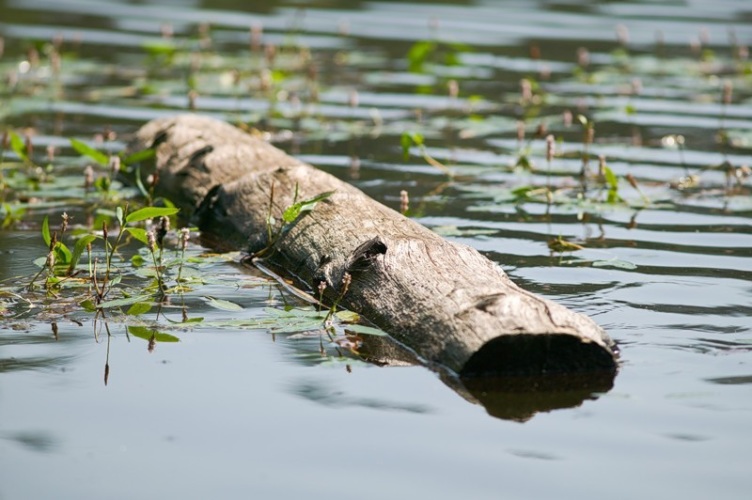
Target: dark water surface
233, 411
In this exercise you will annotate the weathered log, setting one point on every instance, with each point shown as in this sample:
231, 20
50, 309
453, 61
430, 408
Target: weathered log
445, 301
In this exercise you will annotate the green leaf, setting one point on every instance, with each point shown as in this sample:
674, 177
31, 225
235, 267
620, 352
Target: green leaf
611, 179
147, 334
366, 330
561, 245
160, 48
293, 211
406, 141
418, 54
117, 279
18, 146
524, 162
88, 305
138, 233
522, 191
119, 214
583, 120
78, 249
139, 183
224, 305
124, 302
139, 308
63, 254
85, 150
102, 184
150, 213
139, 156
46, 231
347, 316
189, 320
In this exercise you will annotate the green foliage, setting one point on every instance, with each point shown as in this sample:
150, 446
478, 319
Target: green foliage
85, 150
18, 146
410, 139
139, 308
149, 213
46, 231
289, 216
139, 156
294, 211
78, 249
151, 335
612, 182
426, 52
223, 305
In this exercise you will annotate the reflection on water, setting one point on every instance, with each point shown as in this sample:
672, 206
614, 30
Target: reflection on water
520, 398
330, 397
670, 281
41, 441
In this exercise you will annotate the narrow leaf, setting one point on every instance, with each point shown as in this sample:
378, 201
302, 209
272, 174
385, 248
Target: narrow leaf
365, 330
139, 156
19, 147
291, 213
63, 254
562, 245
347, 316
78, 250
46, 231
85, 150
138, 233
611, 178
147, 334
224, 305
150, 213
406, 141
124, 302
139, 308
88, 305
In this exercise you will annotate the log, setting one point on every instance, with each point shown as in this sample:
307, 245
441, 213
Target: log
450, 305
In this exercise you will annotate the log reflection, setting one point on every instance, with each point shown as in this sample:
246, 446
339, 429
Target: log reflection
509, 397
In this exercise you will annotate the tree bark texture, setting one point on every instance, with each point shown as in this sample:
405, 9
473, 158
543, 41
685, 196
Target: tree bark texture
445, 301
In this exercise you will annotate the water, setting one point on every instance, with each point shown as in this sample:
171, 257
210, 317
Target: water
231, 411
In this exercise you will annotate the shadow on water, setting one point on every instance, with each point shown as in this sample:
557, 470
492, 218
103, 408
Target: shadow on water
512, 396
520, 398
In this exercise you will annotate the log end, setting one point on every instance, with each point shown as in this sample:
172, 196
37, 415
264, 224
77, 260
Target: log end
528, 354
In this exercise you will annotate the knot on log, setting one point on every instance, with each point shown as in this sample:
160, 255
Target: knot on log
197, 159
365, 255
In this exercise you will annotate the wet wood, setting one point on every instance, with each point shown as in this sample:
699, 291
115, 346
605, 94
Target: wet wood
445, 301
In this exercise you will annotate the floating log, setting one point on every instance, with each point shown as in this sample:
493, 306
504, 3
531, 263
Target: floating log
450, 305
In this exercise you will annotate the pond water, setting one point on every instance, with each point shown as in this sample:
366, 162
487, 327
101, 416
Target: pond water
236, 410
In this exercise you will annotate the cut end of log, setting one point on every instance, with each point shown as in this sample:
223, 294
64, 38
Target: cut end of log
529, 354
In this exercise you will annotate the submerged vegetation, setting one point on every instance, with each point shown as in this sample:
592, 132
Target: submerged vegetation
557, 138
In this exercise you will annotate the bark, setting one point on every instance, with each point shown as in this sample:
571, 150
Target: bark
445, 301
